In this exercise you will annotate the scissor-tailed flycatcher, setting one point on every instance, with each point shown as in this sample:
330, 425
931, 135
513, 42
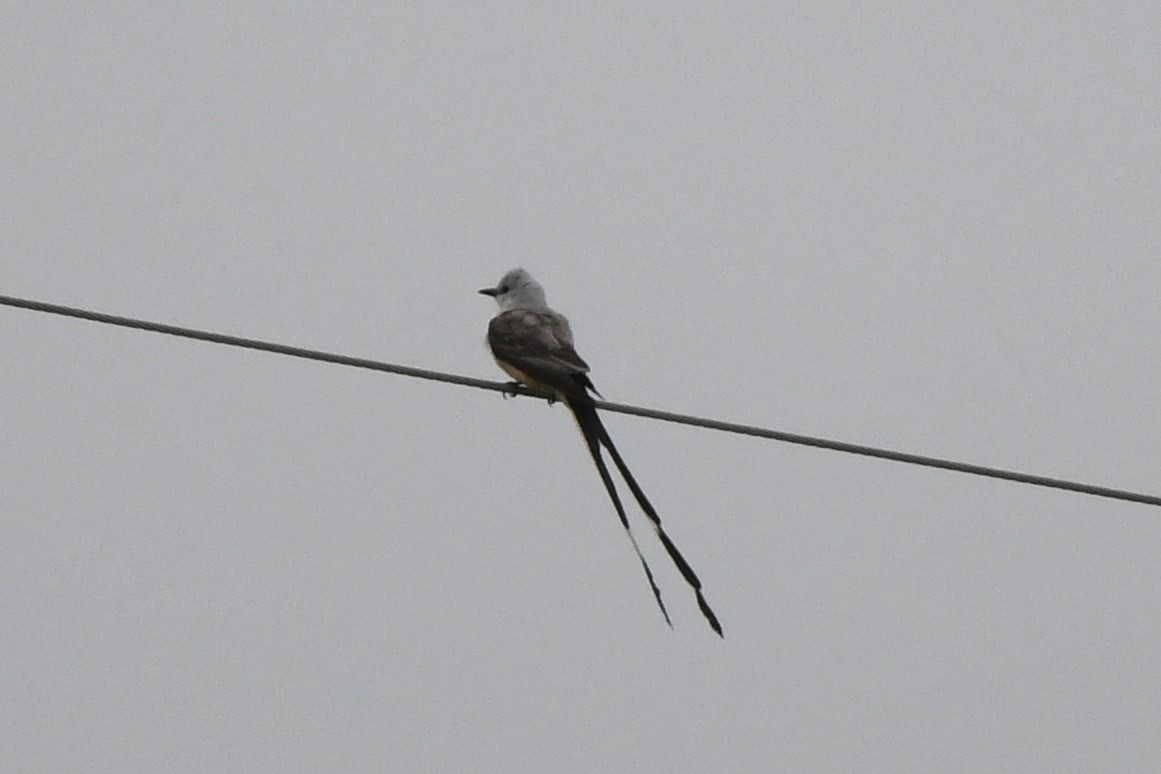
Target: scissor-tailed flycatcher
533, 344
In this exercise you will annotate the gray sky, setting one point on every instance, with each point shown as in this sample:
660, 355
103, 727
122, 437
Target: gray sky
905, 224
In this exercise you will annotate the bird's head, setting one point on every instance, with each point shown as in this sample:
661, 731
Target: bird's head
517, 290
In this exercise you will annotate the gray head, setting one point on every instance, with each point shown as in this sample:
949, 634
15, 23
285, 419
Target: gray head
517, 290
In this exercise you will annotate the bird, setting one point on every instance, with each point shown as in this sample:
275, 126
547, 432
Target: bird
533, 344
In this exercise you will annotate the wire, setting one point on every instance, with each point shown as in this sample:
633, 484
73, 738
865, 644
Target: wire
512, 389
886, 454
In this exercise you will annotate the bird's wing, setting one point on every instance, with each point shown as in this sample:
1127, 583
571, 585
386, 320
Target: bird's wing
539, 344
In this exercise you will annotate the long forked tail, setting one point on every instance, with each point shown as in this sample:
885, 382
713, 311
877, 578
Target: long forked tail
596, 436
590, 426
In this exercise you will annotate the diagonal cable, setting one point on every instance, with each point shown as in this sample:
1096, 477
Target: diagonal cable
664, 416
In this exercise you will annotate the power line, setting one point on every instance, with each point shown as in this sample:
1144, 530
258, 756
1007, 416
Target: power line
665, 416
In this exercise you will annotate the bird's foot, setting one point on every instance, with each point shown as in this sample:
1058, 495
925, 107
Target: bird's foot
511, 392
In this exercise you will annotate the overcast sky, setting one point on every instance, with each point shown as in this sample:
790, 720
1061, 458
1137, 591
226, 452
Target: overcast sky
916, 225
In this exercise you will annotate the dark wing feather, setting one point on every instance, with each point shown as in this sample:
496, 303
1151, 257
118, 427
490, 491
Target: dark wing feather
537, 344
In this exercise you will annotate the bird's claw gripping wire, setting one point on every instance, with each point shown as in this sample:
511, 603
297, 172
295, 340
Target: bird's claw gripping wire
516, 389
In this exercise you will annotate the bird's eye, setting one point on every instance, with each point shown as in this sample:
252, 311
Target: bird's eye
503, 289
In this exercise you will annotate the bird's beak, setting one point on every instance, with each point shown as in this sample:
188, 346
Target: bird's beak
490, 292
